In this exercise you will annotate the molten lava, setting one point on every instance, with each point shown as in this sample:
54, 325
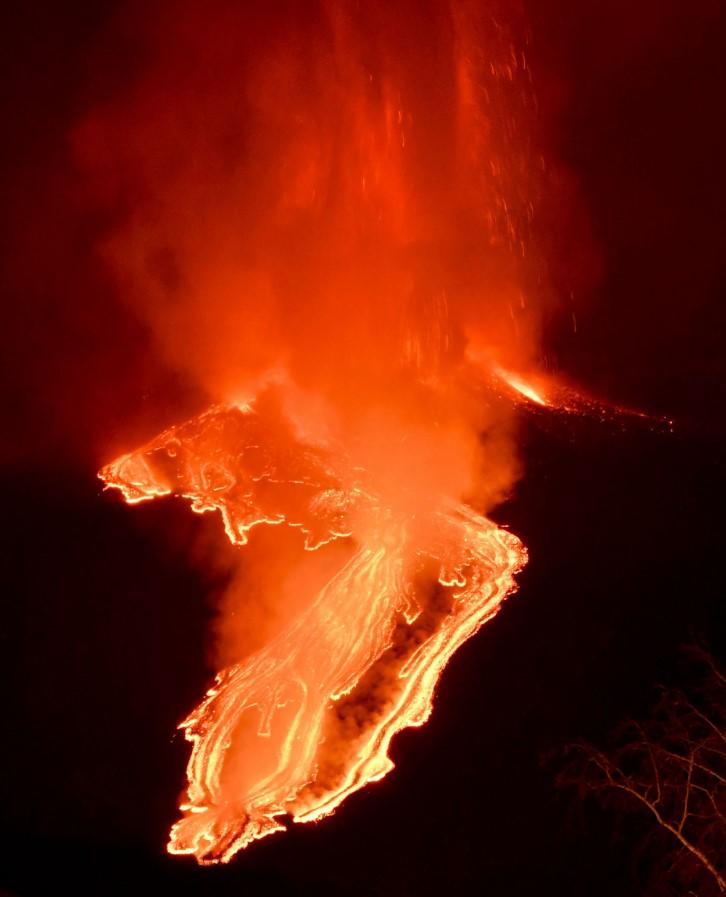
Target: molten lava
299, 725
521, 386
322, 219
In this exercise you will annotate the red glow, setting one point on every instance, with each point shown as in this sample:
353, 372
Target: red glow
324, 236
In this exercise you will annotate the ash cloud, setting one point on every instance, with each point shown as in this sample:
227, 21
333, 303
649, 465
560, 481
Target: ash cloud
333, 202
342, 193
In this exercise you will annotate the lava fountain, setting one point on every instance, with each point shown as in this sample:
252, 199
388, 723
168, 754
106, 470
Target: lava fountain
322, 217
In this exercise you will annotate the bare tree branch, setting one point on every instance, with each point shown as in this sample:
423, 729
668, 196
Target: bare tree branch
672, 765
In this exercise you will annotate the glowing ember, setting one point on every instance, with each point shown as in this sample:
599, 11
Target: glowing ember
304, 722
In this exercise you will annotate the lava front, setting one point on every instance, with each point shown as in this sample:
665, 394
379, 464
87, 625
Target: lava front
302, 723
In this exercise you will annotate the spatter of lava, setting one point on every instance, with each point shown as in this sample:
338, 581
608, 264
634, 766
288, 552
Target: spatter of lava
307, 720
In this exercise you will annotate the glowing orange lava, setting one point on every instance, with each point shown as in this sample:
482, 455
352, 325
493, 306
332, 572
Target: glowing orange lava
520, 385
322, 220
301, 724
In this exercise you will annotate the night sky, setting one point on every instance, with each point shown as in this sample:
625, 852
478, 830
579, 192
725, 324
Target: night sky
105, 612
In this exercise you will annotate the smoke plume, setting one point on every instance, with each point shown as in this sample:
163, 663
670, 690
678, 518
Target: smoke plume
322, 213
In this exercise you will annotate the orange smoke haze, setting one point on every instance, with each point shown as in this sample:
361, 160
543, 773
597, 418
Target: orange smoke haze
329, 191
323, 215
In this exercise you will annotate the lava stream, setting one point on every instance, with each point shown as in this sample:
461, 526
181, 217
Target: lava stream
307, 720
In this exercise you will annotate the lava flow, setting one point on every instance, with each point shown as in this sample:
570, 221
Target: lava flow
322, 220
304, 722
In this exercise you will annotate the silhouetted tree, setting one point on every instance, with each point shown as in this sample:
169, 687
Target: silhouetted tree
671, 767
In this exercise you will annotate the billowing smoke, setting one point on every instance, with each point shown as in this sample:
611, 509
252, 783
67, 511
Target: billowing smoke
339, 192
322, 212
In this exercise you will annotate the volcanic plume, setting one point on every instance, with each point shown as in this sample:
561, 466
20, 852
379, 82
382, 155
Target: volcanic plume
322, 214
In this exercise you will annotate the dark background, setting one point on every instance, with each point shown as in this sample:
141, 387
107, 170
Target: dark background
623, 523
